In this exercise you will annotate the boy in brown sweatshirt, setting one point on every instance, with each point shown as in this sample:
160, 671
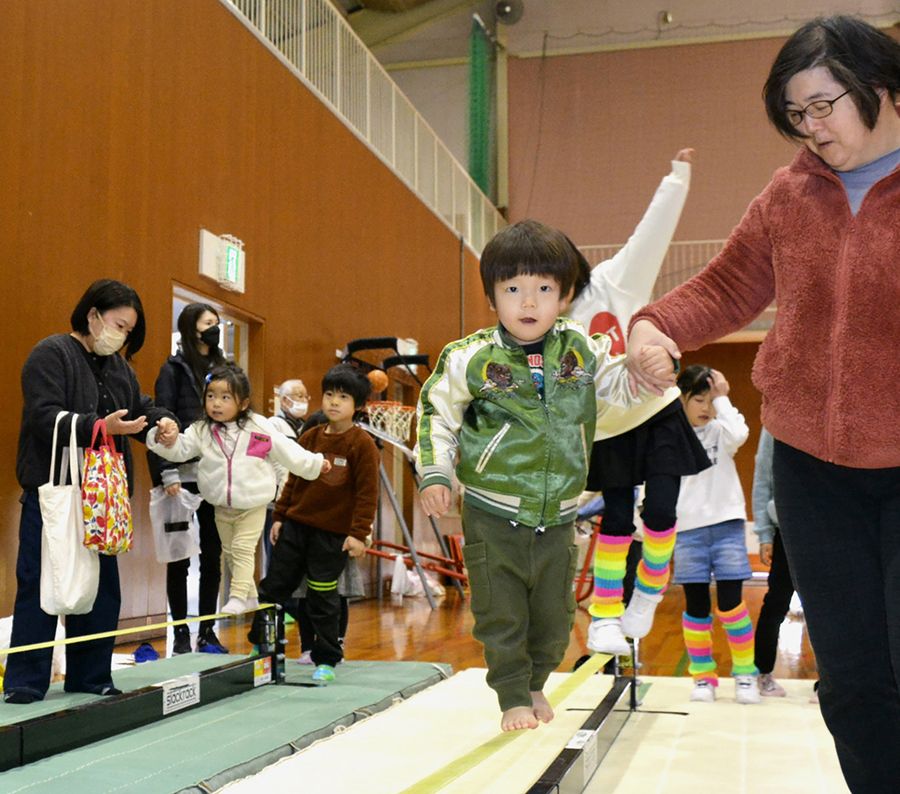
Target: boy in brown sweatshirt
316, 528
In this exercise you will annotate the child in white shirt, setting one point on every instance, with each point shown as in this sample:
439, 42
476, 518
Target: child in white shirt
710, 538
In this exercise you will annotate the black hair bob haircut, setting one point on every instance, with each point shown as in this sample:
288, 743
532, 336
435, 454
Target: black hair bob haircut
106, 294
532, 249
860, 57
694, 380
350, 380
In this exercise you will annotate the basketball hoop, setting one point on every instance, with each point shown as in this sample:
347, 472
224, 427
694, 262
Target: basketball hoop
391, 418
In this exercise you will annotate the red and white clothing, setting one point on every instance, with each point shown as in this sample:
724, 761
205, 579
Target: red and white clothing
623, 284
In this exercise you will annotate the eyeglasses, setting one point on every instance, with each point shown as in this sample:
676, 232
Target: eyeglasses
815, 110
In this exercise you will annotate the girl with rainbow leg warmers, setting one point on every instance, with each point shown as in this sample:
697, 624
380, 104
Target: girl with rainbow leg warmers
710, 539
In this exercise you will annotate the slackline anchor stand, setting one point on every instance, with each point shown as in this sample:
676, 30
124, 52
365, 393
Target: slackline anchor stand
274, 643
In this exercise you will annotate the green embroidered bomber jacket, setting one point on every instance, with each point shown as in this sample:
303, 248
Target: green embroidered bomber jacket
518, 456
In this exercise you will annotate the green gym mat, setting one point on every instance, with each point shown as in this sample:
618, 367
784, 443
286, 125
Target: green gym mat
202, 749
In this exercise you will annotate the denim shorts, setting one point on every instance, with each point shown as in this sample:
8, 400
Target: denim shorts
719, 549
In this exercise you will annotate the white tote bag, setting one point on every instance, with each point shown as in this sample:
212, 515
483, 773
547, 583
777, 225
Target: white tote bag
70, 573
176, 533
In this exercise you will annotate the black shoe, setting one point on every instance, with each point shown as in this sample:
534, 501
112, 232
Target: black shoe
19, 698
182, 643
256, 635
109, 691
208, 642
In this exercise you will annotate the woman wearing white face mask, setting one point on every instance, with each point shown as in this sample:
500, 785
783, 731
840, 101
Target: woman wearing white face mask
78, 372
180, 387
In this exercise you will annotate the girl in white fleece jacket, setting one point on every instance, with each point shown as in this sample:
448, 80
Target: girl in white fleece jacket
236, 448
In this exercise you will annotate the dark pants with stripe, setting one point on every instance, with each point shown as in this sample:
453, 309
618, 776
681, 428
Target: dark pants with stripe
88, 664
841, 532
301, 551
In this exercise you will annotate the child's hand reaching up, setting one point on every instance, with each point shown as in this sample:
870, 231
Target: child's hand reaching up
685, 155
718, 386
656, 361
166, 432
435, 500
354, 546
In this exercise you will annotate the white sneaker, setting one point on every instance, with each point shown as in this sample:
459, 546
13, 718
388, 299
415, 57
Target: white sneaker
305, 658
746, 689
638, 618
704, 691
234, 606
605, 636
251, 602
769, 687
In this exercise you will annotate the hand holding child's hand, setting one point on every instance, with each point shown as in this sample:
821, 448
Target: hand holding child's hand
656, 361
326, 467
435, 500
274, 532
718, 386
644, 333
354, 546
765, 553
685, 155
166, 432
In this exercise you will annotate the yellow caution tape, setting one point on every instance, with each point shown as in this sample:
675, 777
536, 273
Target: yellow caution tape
121, 632
459, 766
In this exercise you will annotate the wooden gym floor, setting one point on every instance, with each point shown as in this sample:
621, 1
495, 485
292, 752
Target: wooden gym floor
410, 631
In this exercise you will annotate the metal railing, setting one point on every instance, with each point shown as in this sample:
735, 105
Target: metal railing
683, 260
318, 45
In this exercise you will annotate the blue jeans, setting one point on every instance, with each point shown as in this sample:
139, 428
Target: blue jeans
841, 532
88, 664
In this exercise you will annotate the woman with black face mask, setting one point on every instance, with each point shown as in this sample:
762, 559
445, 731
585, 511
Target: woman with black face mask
179, 387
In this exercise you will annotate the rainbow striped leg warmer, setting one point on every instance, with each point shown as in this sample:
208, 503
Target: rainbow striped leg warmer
698, 640
653, 569
609, 571
739, 630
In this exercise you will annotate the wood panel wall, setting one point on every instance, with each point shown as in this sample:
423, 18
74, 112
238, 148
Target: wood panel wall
128, 126
612, 121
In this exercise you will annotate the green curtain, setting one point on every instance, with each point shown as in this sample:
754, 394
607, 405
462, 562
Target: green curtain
481, 89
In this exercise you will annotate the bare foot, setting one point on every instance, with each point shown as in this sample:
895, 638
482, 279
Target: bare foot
517, 718
541, 707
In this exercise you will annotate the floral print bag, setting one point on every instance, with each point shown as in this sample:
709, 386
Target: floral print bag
108, 526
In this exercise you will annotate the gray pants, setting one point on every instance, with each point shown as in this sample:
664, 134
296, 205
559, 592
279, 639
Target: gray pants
522, 599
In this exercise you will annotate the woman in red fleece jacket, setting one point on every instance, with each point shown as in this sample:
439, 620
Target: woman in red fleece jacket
823, 240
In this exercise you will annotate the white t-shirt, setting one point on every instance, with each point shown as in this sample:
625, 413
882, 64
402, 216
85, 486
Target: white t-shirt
715, 494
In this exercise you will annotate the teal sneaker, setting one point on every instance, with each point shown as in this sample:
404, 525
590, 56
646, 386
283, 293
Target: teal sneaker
323, 674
